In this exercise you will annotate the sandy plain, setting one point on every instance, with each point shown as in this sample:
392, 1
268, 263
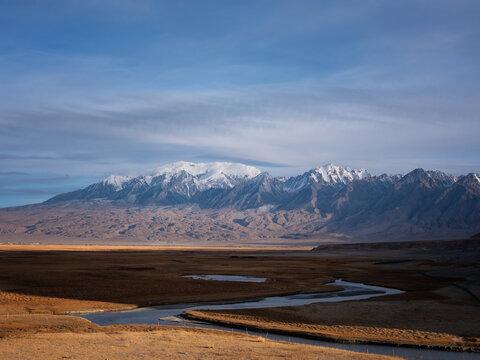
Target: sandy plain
439, 309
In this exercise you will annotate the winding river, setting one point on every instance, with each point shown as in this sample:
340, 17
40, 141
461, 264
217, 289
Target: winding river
171, 315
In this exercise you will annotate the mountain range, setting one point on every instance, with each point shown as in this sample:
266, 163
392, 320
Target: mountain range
212, 185
328, 201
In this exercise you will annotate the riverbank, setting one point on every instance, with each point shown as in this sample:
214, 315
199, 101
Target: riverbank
372, 335
39, 337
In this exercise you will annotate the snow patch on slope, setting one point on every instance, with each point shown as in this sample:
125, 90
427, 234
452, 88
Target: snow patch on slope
116, 181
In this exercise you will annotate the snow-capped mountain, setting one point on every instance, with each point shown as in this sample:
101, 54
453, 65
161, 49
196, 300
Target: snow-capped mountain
203, 175
169, 184
332, 174
332, 199
211, 174
328, 174
342, 192
182, 182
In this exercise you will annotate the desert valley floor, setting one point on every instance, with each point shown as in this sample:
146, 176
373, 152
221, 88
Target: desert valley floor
43, 286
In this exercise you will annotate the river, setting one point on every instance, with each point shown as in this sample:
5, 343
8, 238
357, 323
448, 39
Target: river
171, 315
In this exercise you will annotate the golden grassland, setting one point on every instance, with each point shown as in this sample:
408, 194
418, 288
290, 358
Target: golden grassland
56, 337
44, 282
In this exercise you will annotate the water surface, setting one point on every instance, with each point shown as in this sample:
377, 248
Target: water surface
226, 278
171, 315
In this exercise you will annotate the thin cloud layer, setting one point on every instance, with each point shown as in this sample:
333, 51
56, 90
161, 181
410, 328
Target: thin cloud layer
291, 128
104, 88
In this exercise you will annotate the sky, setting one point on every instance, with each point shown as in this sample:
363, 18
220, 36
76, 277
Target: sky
90, 88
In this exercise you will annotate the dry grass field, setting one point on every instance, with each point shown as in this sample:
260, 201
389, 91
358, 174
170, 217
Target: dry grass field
63, 337
439, 307
57, 280
429, 324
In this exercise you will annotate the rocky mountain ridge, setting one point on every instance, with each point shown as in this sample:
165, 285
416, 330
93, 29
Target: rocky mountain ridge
216, 184
234, 201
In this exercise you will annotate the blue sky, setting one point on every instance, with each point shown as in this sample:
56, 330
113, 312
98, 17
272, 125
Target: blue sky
89, 88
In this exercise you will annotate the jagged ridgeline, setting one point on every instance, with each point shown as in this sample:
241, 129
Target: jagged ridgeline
213, 185
327, 200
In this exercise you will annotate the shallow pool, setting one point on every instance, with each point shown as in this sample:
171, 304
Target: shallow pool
226, 278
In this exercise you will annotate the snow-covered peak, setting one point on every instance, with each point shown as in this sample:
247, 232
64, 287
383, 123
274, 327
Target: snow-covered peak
327, 174
210, 170
224, 175
334, 174
116, 180
203, 176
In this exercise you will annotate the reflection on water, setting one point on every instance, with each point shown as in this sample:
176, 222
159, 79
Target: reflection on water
227, 278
